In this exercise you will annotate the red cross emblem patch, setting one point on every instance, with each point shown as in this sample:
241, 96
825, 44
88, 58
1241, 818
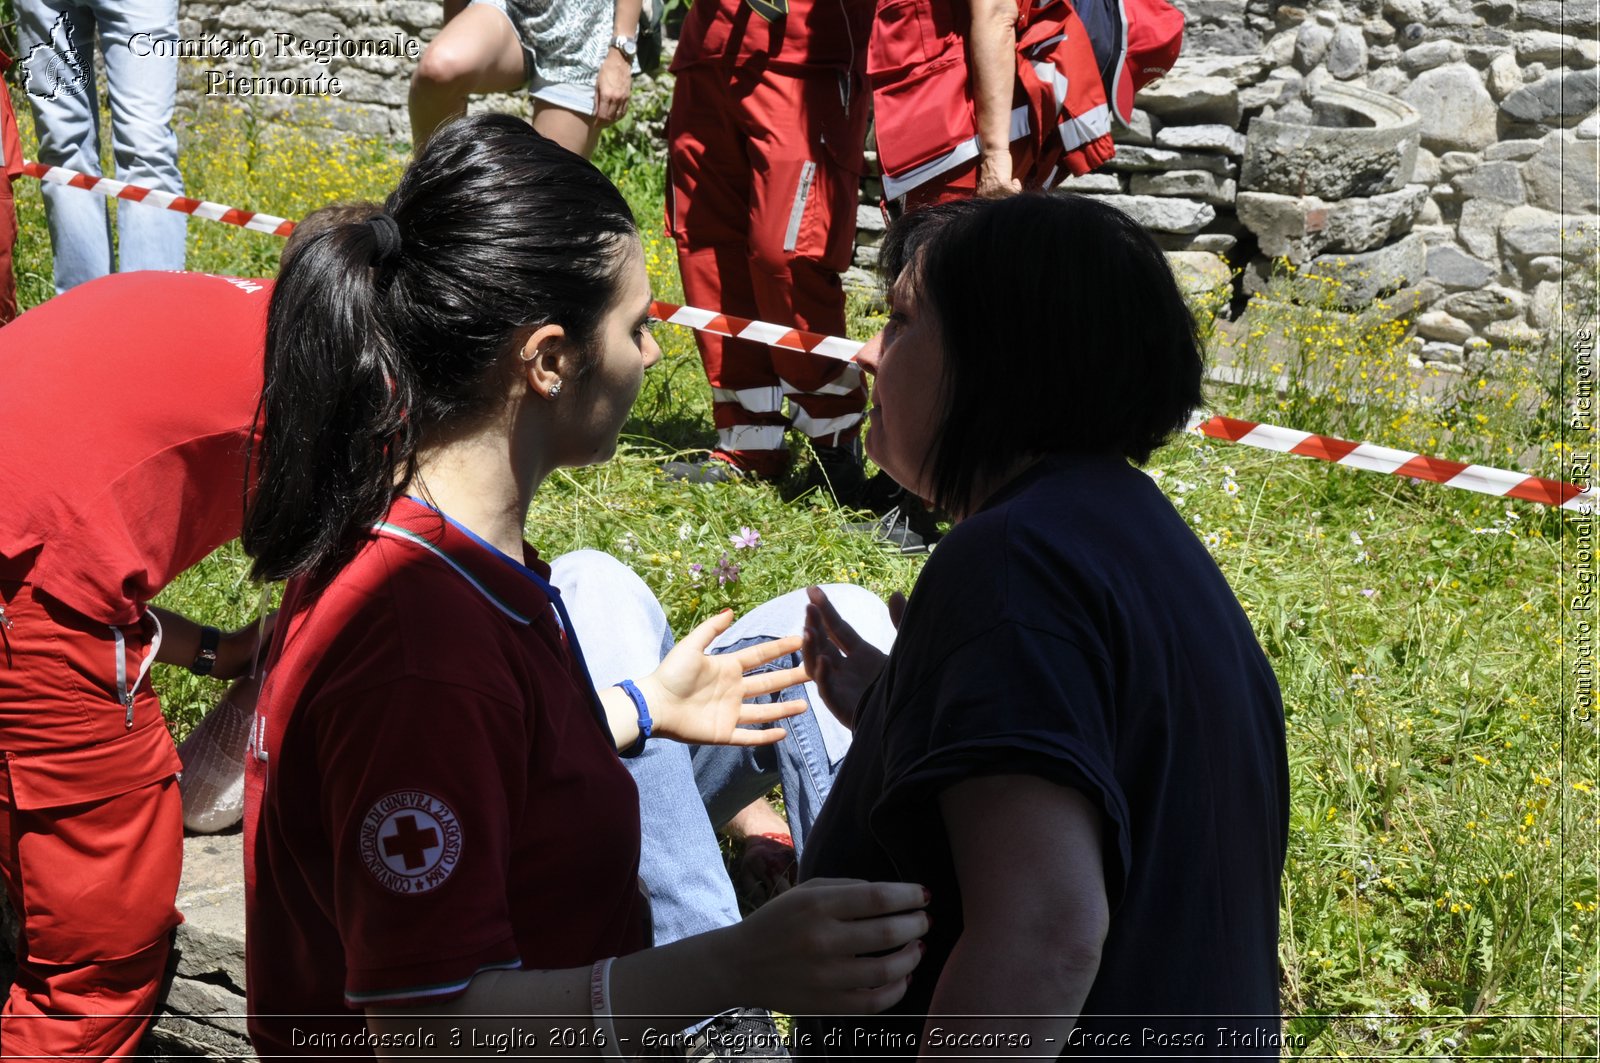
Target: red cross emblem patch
410, 841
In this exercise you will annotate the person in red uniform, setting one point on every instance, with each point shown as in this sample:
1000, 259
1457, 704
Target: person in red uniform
10, 170
766, 137
984, 97
437, 825
127, 405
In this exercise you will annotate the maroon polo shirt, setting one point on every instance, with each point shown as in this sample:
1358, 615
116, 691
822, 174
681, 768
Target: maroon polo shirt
430, 792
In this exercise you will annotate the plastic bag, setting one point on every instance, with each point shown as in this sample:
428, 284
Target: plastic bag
212, 783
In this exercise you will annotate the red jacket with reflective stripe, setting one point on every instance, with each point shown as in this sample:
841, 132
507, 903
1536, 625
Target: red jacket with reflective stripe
922, 95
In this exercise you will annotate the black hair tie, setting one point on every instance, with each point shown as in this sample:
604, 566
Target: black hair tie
386, 231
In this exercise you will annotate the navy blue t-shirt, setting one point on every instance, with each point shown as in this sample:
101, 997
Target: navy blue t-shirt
1075, 629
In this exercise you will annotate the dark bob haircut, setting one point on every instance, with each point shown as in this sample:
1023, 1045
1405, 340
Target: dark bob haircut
1063, 332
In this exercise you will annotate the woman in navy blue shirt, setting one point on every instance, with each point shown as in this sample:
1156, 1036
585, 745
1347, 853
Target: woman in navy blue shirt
1077, 743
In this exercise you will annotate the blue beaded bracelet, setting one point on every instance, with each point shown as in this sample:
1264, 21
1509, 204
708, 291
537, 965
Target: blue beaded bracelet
645, 723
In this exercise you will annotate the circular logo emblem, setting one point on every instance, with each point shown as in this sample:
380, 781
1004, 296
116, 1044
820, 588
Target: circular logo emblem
410, 841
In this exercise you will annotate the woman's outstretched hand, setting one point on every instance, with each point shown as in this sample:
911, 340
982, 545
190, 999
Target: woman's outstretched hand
842, 662
699, 698
835, 946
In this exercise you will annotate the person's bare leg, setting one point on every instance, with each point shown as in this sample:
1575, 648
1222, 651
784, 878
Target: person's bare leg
765, 866
573, 131
477, 51
758, 817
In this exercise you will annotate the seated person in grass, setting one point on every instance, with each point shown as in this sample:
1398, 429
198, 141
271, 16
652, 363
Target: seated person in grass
438, 826
127, 405
1076, 742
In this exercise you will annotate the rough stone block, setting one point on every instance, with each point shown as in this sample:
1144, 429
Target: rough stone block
1140, 160
1559, 16
1193, 100
1545, 268
1094, 183
1279, 51
1213, 243
1310, 45
1499, 181
1511, 150
1365, 276
1347, 54
1199, 271
1478, 224
1430, 56
1478, 308
1511, 334
1561, 98
1378, 31
1457, 112
1141, 131
1440, 326
1161, 214
1455, 269
1556, 49
1300, 228
869, 219
1562, 176
1454, 163
1241, 69
1194, 184
1427, 168
1372, 151
1530, 231
1589, 128
1504, 77
1201, 138
1544, 308
1269, 93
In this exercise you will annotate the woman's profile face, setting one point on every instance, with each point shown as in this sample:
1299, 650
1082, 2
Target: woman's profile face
906, 361
624, 349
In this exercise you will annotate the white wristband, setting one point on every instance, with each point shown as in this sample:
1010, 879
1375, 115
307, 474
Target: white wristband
600, 1007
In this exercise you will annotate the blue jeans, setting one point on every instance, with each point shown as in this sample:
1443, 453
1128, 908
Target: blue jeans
57, 39
686, 791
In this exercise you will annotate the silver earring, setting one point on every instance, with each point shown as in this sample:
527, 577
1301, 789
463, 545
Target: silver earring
555, 389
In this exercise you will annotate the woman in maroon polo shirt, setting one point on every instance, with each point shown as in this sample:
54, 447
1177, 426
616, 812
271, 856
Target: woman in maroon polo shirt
439, 824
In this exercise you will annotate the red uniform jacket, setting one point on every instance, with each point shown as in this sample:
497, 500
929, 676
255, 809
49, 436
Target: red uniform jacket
922, 95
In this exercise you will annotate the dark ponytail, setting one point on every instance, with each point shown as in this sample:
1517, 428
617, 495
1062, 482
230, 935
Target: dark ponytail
374, 346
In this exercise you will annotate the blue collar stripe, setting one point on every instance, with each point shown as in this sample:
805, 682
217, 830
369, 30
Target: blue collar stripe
385, 528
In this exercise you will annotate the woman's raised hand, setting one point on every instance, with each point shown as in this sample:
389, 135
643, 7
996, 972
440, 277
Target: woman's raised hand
834, 946
842, 662
699, 698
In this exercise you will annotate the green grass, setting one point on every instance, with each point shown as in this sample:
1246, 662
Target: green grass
1440, 895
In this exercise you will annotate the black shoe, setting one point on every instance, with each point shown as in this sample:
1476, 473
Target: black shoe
741, 1034
839, 471
710, 471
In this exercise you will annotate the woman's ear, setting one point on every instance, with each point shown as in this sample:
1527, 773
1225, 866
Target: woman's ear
545, 360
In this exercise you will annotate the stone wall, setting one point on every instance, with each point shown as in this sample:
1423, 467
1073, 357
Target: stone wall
1437, 151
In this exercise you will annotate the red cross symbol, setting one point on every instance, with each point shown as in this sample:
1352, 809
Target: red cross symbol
409, 843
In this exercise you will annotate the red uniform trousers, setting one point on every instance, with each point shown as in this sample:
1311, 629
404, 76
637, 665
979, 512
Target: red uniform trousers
11, 156
91, 831
764, 175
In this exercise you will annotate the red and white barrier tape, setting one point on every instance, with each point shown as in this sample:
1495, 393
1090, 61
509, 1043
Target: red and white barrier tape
262, 223
744, 328
1368, 456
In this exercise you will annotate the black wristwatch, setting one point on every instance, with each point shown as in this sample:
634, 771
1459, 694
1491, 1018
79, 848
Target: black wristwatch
205, 657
